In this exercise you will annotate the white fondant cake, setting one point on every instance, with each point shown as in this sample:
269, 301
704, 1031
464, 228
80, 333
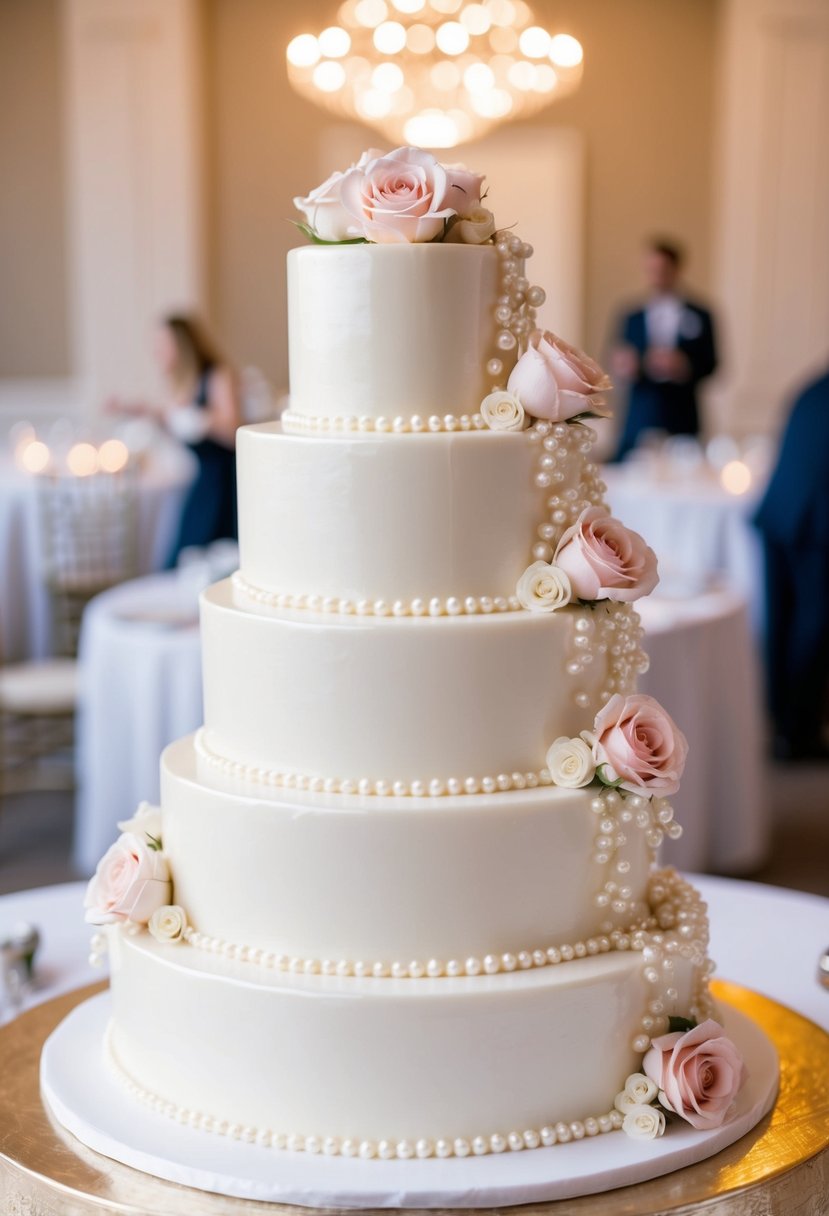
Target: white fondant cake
401, 894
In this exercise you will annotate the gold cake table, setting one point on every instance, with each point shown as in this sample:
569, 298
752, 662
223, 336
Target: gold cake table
780, 1167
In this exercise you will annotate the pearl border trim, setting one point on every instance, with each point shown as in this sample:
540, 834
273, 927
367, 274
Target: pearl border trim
469, 605
415, 424
334, 1146
436, 787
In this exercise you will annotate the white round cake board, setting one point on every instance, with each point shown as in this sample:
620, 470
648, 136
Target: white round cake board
90, 1102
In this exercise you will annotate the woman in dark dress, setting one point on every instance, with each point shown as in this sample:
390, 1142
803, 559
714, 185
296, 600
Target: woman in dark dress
203, 411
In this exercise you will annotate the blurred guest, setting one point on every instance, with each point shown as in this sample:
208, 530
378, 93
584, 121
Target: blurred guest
664, 348
203, 411
794, 521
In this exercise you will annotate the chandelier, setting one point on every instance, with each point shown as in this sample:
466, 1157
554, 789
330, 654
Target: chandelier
434, 73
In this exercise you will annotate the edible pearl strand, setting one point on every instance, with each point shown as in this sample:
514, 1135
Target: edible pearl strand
468, 605
414, 424
435, 787
334, 1146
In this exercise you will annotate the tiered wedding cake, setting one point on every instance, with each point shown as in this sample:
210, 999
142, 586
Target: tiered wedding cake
400, 895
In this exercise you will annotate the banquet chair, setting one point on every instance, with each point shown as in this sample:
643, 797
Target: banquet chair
37, 710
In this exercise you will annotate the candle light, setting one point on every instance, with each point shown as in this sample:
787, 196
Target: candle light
33, 456
113, 455
82, 459
736, 477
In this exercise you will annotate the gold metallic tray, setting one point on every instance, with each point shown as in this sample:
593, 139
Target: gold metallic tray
780, 1167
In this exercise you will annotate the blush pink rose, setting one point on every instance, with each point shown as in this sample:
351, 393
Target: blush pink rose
323, 209
401, 197
131, 881
604, 559
639, 743
699, 1073
555, 381
464, 192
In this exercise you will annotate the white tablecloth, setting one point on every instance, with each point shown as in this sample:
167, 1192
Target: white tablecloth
763, 937
698, 530
704, 670
140, 689
24, 605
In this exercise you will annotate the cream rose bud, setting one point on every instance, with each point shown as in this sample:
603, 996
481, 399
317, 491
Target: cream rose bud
644, 1122
131, 881
167, 923
635, 741
639, 1090
699, 1073
146, 821
605, 560
503, 412
555, 381
570, 763
543, 588
464, 193
325, 214
398, 198
475, 230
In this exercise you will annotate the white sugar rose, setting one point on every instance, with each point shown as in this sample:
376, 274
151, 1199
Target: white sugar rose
543, 588
398, 198
503, 412
555, 381
323, 209
167, 923
570, 763
131, 881
145, 822
644, 1122
605, 560
464, 192
475, 230
639, 1091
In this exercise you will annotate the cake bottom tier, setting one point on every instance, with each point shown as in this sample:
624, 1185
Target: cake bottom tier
386, 1067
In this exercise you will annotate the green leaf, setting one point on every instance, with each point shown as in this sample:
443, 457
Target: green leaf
153, 842
677, 1023
582, 417
613, 785
312, 236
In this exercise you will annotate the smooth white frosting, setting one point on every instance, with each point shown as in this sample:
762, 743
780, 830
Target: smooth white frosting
380, 697
391, 329
344, 877
366, 1059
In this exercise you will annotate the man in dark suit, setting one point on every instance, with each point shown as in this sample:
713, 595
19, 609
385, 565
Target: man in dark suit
794, 521
663, 351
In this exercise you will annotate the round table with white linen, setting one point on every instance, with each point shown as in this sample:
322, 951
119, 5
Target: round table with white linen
699, 531
704, 669
24, 604
766, 938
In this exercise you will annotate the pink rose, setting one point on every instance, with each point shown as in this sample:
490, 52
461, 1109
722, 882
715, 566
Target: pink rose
464, 192
638, 742
555, 381
604, 559
323, 209
131, 881
699, 1073
404, 196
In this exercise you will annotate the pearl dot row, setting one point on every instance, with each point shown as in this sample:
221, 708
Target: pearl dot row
367, 1150
469, 605
416, 424
436, 787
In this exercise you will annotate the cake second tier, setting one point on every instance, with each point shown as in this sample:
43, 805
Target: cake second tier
402, 705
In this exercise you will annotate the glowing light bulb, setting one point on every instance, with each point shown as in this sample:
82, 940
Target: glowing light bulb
736, 477
420, 39
370, 13
545, 78
501, 12
34, 456
432, 129
374, 104
303, 51
534, 42
390, 37
82, 459
329, 76
387, 77
113, 455
479, 77
494, 103
408, 6
565, 51
475, 18
334, 42
445, 6
452, 38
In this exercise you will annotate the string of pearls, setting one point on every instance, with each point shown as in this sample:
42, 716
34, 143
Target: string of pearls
335, 1146
468, 605
435, 787
415, 424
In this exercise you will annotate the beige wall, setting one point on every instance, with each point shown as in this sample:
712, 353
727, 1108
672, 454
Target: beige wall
33, 316
644, 109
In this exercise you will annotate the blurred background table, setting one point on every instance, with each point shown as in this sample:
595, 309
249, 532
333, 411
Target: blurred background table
765, 938
161, 484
